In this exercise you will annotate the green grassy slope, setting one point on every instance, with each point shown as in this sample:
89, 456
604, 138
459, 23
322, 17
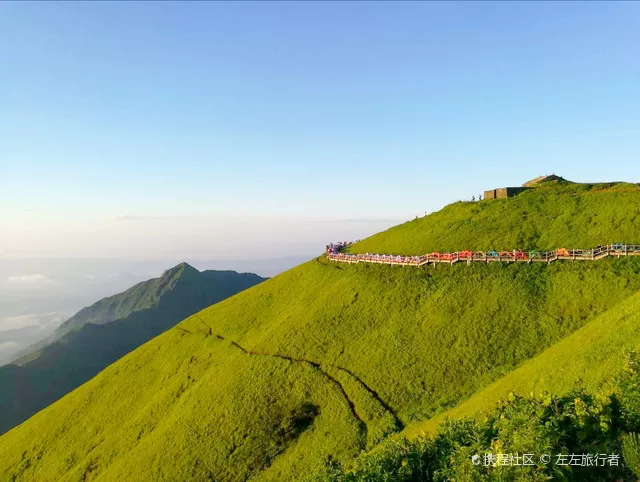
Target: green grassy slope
551, 216
587, 359
331, 358
81, 353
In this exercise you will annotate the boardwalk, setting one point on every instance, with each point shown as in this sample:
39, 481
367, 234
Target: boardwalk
516, 256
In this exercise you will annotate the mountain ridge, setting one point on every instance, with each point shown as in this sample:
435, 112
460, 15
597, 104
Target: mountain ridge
140, 296
79, 352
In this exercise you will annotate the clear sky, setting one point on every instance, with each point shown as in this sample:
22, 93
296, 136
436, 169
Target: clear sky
238, 130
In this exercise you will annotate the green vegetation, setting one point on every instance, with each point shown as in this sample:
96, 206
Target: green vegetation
586, 359
594, 425
321, 363
551, 216
104, 332
592, 359
631, 452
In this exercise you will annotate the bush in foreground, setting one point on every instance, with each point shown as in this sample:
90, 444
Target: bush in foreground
598, 430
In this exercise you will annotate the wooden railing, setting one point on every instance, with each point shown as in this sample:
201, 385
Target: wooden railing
469, 257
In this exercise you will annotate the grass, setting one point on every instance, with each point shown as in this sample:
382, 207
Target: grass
587, 359
332, 358
552, 216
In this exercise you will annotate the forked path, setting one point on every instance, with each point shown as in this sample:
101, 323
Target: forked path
320, 368
335, 253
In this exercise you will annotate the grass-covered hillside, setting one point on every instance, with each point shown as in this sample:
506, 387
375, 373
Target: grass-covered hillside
102, 333
324, 361
553, 215
587, 359
520, 413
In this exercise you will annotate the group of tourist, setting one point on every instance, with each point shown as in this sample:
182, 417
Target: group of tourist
335, 248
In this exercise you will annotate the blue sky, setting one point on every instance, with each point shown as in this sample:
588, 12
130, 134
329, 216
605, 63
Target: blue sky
123, 122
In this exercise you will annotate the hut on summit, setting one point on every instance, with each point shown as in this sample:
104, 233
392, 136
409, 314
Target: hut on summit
505, 192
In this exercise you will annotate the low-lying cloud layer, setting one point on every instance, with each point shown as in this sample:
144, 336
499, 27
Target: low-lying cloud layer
42, 320
27, 278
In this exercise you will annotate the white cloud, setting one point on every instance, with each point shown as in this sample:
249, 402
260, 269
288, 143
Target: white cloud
27, 278
42, 320
7, 345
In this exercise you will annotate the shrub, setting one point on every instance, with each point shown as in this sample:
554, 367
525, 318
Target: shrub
575, 423
631, 452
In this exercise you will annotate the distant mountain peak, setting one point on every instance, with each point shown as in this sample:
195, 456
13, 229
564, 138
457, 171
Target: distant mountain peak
180, 270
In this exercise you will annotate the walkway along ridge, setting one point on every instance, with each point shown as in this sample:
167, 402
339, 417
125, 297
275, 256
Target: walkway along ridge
334, 252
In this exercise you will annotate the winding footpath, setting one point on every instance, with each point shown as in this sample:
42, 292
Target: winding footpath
335, 252
322, 369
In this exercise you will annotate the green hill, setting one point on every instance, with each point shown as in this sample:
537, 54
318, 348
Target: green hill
553, 215
592, 360
588, 358
326, 360
102, 333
